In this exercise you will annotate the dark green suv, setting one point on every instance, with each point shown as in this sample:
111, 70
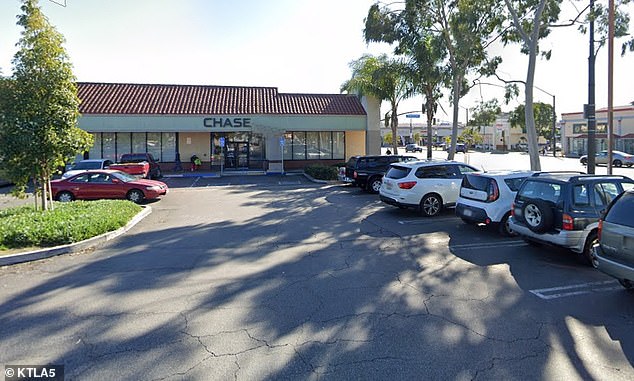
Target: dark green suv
563, 209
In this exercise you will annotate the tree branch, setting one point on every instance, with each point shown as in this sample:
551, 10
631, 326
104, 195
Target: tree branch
573, 21
516, 21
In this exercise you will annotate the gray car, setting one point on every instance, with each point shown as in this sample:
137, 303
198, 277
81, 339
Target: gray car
614, 255
619, 158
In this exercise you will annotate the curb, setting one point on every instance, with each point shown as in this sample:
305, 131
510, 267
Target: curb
74, 247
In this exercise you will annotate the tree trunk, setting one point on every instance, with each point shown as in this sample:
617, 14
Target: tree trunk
394, 124
457, 84
529, 113
429, 108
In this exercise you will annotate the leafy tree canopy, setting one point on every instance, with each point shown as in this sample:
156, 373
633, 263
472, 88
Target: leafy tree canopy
543, 118
485, 113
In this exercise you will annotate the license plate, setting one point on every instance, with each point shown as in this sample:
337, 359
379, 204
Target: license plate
467, 213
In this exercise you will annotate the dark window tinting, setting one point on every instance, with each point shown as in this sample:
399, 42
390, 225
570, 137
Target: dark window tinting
622, 212
396, 172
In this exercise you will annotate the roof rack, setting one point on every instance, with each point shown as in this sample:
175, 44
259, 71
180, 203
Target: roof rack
593, 176
536, 174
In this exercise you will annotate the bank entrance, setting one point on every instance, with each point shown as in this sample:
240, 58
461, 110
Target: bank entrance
241, 151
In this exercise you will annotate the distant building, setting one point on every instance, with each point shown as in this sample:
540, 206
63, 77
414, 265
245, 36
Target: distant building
575, 131
407, 132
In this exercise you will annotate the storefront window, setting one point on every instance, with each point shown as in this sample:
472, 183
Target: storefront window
154, 144
312, 145
138, 142
298, 146
108, 146
338, 145
95, 151
168, 144
124, 141
325, 145
288, 146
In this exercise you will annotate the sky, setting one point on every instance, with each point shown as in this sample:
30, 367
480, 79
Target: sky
298, 46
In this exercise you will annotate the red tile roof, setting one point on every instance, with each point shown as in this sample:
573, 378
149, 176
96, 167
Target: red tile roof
125, 98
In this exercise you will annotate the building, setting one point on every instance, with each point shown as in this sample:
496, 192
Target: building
575, 131
239, 128
407, 132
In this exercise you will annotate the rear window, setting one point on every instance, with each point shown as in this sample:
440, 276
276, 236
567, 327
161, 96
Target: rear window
397, 172
622, 211
476, 182
541, 190
515, 183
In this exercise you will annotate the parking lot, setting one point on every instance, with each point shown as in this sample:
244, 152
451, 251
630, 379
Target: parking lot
276, 277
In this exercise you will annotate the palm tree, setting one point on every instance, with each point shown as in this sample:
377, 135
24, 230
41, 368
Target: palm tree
384, 78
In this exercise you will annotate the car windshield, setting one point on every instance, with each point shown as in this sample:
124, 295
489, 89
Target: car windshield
123, 176
87, 165
397, 172
476, 182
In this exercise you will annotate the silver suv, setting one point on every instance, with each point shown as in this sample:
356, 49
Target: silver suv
614, 255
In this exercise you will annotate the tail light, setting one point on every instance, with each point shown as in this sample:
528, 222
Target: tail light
494, 191
567, 222
600, 229
354, 174
407, 184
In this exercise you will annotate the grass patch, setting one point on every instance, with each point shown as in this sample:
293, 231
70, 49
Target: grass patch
70, 222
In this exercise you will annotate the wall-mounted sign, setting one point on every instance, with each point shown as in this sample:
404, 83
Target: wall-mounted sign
227, 122
412, 115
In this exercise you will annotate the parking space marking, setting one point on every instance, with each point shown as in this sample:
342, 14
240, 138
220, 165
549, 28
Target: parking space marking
194, 183
487, 245
289, 182
425, 221
576, 289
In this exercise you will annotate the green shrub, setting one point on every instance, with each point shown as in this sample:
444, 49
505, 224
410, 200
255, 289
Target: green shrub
70, 222
322, 172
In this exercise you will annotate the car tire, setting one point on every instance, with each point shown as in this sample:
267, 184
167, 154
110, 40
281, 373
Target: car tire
629, 165
431, 205
538, 215
584, 161
617, 163
587, 256
65, 197
374, 184
504, 228
158, 174
135, 195
627, 284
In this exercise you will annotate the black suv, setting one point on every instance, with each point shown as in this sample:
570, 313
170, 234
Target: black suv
564, 208
367, 171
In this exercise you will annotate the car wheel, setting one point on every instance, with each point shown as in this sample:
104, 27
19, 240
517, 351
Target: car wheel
374, 185
629, 165
617, 163
431, 205
158, 174
627, 284
584, 161
504, 228
135, 195
538, 215
587, 255
65, 197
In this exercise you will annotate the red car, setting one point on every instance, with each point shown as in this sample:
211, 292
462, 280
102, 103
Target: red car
106, 184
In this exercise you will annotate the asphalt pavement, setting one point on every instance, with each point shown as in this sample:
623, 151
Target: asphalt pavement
270, 278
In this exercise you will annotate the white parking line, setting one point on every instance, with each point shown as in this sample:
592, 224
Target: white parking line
486, 245
575, 289
423, 221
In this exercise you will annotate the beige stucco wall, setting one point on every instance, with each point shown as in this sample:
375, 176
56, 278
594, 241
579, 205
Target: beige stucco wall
355, 143
191, 143
372, 108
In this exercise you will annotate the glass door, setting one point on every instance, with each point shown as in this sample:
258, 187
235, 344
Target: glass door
237, 155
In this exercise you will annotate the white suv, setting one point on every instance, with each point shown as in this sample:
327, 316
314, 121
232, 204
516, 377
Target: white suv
487, 197
425, 185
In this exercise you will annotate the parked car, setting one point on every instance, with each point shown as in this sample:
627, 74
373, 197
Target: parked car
614, 255
85, 165
154, 170
427, 186
487, 197
460, 147
563, 209
98, 184
618, 158
367, 171
413, 148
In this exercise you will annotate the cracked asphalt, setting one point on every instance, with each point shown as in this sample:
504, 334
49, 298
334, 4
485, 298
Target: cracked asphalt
260, 279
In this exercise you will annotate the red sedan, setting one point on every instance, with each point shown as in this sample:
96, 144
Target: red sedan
106, 183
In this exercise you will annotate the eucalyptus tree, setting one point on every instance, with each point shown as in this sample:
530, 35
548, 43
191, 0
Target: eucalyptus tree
532, 20
543, 117
384, 78
40, 108
466, 29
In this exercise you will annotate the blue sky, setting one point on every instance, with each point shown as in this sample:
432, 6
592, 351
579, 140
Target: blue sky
296, 45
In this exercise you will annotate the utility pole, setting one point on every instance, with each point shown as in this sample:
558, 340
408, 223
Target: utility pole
610, 84
589, 109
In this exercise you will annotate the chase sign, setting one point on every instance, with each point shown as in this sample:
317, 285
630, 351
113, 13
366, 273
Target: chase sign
227, 122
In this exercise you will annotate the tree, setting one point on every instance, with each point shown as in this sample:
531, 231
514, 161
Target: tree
387, 138
485, 113
41, 107
464, 27
471, 136
543, 119
384, 78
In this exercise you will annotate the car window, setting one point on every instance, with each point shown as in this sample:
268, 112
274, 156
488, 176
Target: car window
384, 160
541, 190
81, 178
627, 186
580, 195
362, 163
515, 183
476, 182
604, 193
397, 172
466, 169
622, 212
432, 172
99, 178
